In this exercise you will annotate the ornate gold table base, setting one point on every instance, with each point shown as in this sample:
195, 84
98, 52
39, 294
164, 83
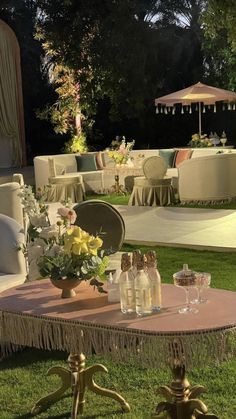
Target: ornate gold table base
181, 399
117, 188
78, 378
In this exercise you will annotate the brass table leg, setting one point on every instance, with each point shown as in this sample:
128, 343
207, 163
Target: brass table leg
117, 188
78, 378
181, 399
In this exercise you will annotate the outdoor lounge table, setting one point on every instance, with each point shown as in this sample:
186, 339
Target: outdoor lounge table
124, 171
34, 315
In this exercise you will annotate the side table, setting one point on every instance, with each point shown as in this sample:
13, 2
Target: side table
33, 314
120, 172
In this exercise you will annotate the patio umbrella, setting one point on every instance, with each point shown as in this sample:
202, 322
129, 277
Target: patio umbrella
197, 93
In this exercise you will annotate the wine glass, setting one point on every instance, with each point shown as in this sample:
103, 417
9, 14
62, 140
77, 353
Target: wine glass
203, 281
186, 279
223, 141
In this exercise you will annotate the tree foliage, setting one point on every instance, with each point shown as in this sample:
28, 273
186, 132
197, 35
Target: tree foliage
219, 21
109, 59
123, 51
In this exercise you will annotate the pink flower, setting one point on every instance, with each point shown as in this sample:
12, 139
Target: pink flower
67, 214
123, 150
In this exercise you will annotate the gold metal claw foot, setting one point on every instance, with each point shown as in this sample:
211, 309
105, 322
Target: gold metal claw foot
181, 399
51, 398
85, 379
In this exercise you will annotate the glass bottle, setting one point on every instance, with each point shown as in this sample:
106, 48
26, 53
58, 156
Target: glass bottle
142, 288
126, 282
135, 255
113, 289
155, 279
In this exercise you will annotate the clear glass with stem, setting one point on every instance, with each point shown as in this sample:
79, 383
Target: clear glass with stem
203, 282
186, 279
223, 139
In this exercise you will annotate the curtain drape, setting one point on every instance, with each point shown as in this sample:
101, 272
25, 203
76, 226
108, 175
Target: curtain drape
11, 101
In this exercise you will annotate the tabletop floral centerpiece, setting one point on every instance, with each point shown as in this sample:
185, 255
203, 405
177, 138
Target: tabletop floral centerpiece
61, 251
198, 140
121, 154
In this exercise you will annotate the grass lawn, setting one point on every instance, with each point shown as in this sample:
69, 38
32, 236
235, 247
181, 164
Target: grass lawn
23, 380
124, 199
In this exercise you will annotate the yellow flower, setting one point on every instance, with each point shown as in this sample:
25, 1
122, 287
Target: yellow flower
78, 241
94, 244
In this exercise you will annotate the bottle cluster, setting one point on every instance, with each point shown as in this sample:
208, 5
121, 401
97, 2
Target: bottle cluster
140, 284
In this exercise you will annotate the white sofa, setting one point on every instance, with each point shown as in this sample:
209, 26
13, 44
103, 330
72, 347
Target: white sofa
99, 181
12, 261
210, 178
10, 202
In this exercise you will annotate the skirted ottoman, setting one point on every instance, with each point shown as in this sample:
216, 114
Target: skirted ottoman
152, 192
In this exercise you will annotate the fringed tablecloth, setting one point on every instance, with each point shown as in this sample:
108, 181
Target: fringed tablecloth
34, 315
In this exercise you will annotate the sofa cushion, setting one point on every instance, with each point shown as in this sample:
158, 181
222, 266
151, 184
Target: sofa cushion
86, 163
98, 159
168, 156
182, 155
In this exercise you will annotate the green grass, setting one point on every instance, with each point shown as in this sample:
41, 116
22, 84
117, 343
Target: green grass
113, 199
23, 376
124, 199
23, 381
222, 265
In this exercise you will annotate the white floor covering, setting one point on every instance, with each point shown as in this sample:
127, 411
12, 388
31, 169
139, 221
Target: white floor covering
182, 227
178, 227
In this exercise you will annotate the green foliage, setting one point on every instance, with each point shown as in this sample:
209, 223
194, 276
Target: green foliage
119, 51
64, 111
77, 144
219, 22
72, 266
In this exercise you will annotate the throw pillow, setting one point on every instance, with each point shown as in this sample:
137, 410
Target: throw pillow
182, 155
99, 160
168, 156
86, 163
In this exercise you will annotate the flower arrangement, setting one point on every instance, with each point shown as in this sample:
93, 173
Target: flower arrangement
200, 141
122, 153
61, 250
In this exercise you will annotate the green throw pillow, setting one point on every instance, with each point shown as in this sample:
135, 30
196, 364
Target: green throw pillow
86, 163
168, 156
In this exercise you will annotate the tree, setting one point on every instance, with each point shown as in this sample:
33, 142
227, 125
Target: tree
219, 22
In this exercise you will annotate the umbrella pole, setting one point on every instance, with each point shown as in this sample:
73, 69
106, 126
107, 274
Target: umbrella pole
200, 118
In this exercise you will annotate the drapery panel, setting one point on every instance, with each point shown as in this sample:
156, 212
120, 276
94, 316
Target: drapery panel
11, 101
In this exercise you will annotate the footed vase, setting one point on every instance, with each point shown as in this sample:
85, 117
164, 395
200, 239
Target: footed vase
67, 286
